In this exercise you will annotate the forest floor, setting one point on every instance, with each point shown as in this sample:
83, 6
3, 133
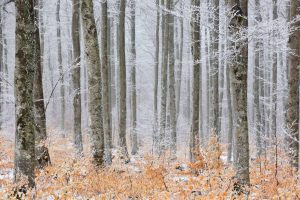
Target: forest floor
146, 177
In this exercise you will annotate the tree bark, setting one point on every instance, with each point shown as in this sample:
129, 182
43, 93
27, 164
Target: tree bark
122, 79
274, 75
61, 73
105, 81
133, 80
215, 71
164, 79
293, 96
256, 87
239, 83
194, 136
24, 78
94, 80
172, 95
1, 65
180, 60
156, 68
42, 153
230, 117
76, 76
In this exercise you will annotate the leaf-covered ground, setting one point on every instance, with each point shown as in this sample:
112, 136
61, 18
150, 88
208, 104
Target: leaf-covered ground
148, 177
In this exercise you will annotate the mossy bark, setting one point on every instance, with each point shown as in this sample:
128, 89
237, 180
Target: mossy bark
24, 77
94, 80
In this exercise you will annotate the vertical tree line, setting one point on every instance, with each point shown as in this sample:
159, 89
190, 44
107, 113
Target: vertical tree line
226, 66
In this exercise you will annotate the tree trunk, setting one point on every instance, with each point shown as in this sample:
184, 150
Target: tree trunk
256, 87
42, 153
24, 78
94, 80
194, 137
105, 82
230, 117
215, 71
76, 76
274, 75
61, 72
1, 66
293, 96
172, 96
122, 79
156, 68
111, 69
164, 80
133, 80
180, 61
239, 83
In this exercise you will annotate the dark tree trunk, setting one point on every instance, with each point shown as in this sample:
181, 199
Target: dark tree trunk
76, 76
24, 78
42, 153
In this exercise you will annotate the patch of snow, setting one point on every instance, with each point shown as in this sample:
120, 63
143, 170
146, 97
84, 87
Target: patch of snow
180, 179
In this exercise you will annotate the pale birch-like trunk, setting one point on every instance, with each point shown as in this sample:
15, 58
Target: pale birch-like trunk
94, 80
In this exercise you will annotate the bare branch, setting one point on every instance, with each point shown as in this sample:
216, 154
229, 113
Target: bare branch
4, 2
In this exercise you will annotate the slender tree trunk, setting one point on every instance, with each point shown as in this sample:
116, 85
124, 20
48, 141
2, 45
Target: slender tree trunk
274, 88
5, 61
122, 79
201, 113
256, 86
110, 79
180, 61
230, 117
172, 96
133, 80
62, 87
208, 85
117, 75
76, 76
156, 66
24, 78
5, 57
215, 71
194, 137
105, 82
42, 153
257, 110
164, 80
1, 65
239, 83
293, 96
94, 80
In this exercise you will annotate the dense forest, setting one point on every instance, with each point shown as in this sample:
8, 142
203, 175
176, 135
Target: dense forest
149, 99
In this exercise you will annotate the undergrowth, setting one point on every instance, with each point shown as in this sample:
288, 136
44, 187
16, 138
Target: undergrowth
149, 177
